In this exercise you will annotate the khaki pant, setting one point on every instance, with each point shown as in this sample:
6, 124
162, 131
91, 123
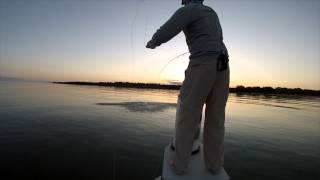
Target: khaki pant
203, 84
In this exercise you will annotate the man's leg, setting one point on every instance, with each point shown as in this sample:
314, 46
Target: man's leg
213, 136
198, 128
193, 93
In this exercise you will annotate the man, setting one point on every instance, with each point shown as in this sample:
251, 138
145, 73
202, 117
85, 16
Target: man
206, 82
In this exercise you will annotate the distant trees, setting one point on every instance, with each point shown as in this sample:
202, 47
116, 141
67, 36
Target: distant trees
278, 90
238, 89
125, 85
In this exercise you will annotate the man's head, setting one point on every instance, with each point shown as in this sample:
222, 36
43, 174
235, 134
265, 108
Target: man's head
185, 2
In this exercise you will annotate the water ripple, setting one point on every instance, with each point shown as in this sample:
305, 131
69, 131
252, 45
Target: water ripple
142, 106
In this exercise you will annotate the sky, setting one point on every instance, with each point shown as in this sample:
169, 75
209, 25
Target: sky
271, 43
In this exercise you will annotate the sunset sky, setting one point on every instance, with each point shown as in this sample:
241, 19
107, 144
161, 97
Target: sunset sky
271, 43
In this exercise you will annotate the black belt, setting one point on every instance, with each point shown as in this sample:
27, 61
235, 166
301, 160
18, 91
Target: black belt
222, 63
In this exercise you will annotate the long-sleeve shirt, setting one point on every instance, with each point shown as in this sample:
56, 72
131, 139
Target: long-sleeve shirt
201, 27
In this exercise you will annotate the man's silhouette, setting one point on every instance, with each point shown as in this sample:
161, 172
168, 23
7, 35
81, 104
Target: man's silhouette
206, 82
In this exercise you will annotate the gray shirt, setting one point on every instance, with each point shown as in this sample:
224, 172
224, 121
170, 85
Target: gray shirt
201, 27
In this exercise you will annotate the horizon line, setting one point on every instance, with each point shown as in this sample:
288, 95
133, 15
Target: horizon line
167, 82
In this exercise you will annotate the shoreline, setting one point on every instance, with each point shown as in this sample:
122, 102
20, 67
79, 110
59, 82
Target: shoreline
239, 89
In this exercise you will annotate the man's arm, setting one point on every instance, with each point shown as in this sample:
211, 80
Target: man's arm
179, 20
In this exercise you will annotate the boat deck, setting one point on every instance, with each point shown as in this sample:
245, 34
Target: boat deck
196, 171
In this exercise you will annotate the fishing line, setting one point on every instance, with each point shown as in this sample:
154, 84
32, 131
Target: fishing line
145, 33
146, 21
114, 164
146, 24
171, 60
131, 39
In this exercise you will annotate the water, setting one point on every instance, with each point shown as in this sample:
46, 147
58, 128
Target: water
51, 131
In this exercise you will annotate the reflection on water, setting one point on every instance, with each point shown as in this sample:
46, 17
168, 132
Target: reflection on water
142, 106
279, 101
284, 101
51, 131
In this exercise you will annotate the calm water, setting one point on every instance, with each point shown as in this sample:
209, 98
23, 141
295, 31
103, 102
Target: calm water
51, 131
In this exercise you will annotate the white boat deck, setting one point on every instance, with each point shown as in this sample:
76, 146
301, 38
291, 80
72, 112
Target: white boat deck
196, 171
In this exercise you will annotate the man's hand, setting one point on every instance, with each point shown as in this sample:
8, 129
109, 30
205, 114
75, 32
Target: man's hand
151, 45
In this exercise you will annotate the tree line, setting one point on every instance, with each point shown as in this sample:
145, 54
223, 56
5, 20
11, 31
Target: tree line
238, 89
